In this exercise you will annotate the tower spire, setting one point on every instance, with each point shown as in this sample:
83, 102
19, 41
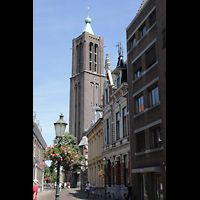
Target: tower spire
88, 27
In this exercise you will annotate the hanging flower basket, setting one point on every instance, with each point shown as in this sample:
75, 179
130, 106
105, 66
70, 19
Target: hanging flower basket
64, 154
101, 173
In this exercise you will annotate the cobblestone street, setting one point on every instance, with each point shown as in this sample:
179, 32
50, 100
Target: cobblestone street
69, 194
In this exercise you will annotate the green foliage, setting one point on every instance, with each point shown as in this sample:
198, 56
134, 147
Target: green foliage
49, 173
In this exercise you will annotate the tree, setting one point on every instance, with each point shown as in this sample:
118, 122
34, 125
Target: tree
49, 174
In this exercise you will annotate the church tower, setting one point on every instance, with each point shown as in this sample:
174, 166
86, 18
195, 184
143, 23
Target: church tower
86, 82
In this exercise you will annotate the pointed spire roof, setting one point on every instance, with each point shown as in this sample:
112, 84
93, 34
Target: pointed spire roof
88, 27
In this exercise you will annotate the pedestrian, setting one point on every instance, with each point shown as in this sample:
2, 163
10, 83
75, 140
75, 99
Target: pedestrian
68, 185
65, 185
94, 190
88, 189
35, 189
60, 186
129, 191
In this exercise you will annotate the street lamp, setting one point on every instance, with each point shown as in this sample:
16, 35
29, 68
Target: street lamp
60, 126
105, 170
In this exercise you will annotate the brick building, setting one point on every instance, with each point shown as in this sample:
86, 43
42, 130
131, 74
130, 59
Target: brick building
86, 83
38, 146
146, 56
116, 148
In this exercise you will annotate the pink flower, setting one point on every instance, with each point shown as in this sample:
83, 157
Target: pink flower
56, 161
68, 147
72, 160
67, 162
57, 154
65, 152
76, 156
69, 151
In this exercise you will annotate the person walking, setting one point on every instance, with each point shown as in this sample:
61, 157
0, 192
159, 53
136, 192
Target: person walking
88, 189
129, 191
94, 191
35, 189
60, 186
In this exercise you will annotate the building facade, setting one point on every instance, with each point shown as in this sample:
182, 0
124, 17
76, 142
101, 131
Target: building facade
38, 146
116, 144
86, 83
146, 56
95, 148
83, 177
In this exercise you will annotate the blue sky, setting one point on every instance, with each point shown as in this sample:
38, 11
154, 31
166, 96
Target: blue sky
55, 24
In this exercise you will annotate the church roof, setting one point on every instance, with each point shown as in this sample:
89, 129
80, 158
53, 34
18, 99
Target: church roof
120, 62
88, 27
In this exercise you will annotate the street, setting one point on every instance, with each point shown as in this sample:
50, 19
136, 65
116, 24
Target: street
69, 194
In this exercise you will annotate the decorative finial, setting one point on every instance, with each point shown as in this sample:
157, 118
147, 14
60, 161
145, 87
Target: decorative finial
61, 116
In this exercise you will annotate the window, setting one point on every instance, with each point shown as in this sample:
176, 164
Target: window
90, 56
156, 137
139, 105
138, 73
107, 130
132, 42
124, 122
150, 56
117, 126
95, 57
96, 48
91, 45
77, 58
91, 66
81, 57
95, 67
152, 18
140, 139
153, 96
137, 68
142, 31
106, 97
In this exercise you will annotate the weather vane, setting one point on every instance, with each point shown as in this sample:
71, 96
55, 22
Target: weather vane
120, 49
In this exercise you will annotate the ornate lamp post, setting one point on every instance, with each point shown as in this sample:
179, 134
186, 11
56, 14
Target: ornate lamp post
105, 170
60, 126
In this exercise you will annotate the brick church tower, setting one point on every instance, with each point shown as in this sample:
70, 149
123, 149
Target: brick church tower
86, 82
